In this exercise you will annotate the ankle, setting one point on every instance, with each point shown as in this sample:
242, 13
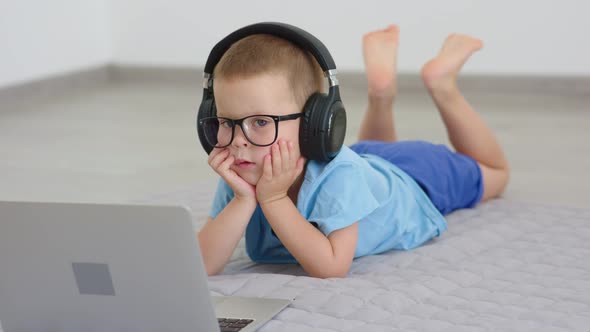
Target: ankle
381, 103
444, 91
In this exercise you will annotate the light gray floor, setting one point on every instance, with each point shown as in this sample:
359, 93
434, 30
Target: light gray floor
131, 139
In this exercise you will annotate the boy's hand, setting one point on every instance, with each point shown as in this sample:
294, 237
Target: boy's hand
280, 170
221, 160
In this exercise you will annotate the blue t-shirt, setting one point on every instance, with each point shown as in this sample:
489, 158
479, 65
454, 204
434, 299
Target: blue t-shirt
392, 211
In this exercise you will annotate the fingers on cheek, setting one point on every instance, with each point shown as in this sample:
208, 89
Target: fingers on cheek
275, 156
292, 155
226, 163
267, 166
229, 160
211, 158
213, 162
223, 158
285, 151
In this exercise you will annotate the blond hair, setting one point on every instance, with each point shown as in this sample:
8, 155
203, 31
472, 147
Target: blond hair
267, 54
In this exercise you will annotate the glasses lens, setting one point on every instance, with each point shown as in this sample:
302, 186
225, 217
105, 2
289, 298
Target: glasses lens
260, 130
218, 131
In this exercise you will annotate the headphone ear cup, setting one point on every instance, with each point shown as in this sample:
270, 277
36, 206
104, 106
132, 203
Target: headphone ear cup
310, 131
334, 127
207, 109
323, 128
306, 141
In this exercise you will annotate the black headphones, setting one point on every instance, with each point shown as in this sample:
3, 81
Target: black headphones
323, 125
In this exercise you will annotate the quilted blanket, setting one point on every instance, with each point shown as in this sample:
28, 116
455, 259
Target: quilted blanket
503, 266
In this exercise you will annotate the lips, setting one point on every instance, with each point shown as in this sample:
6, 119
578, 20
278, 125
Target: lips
243, 162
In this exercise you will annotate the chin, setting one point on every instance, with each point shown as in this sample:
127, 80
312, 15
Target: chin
250, 177
252, 182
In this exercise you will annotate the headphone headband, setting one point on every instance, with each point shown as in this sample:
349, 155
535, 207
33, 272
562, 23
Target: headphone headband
297, 36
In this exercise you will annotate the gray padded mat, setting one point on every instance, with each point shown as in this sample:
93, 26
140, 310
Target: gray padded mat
503, 266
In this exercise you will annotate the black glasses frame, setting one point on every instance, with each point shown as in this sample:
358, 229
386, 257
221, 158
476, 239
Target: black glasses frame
233, 123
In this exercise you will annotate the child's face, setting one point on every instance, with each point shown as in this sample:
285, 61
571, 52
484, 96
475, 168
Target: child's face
262, 94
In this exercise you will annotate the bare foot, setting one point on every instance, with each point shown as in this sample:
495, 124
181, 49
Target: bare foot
440, 73
380, 54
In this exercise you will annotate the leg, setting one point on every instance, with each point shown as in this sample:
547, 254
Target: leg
380, 54
467, 131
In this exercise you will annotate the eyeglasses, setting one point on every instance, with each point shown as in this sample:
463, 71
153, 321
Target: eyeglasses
260, 130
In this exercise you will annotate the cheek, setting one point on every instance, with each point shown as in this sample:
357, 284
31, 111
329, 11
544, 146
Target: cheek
291, 135
259, 156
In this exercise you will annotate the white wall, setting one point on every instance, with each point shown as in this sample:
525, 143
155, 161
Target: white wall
521, 37
43, 38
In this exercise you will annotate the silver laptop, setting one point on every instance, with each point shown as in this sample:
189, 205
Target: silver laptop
98, 267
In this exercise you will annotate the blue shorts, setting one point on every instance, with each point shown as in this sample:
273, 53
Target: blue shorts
452, 180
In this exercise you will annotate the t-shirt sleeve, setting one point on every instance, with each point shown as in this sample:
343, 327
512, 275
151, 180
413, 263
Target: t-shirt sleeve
223, 195
342, 198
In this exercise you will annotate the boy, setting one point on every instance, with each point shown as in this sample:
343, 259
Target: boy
375, 196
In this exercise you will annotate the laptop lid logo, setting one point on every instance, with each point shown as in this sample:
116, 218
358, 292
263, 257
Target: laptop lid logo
93, 279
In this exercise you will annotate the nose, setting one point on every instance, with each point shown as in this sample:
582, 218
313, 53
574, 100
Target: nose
239, 139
